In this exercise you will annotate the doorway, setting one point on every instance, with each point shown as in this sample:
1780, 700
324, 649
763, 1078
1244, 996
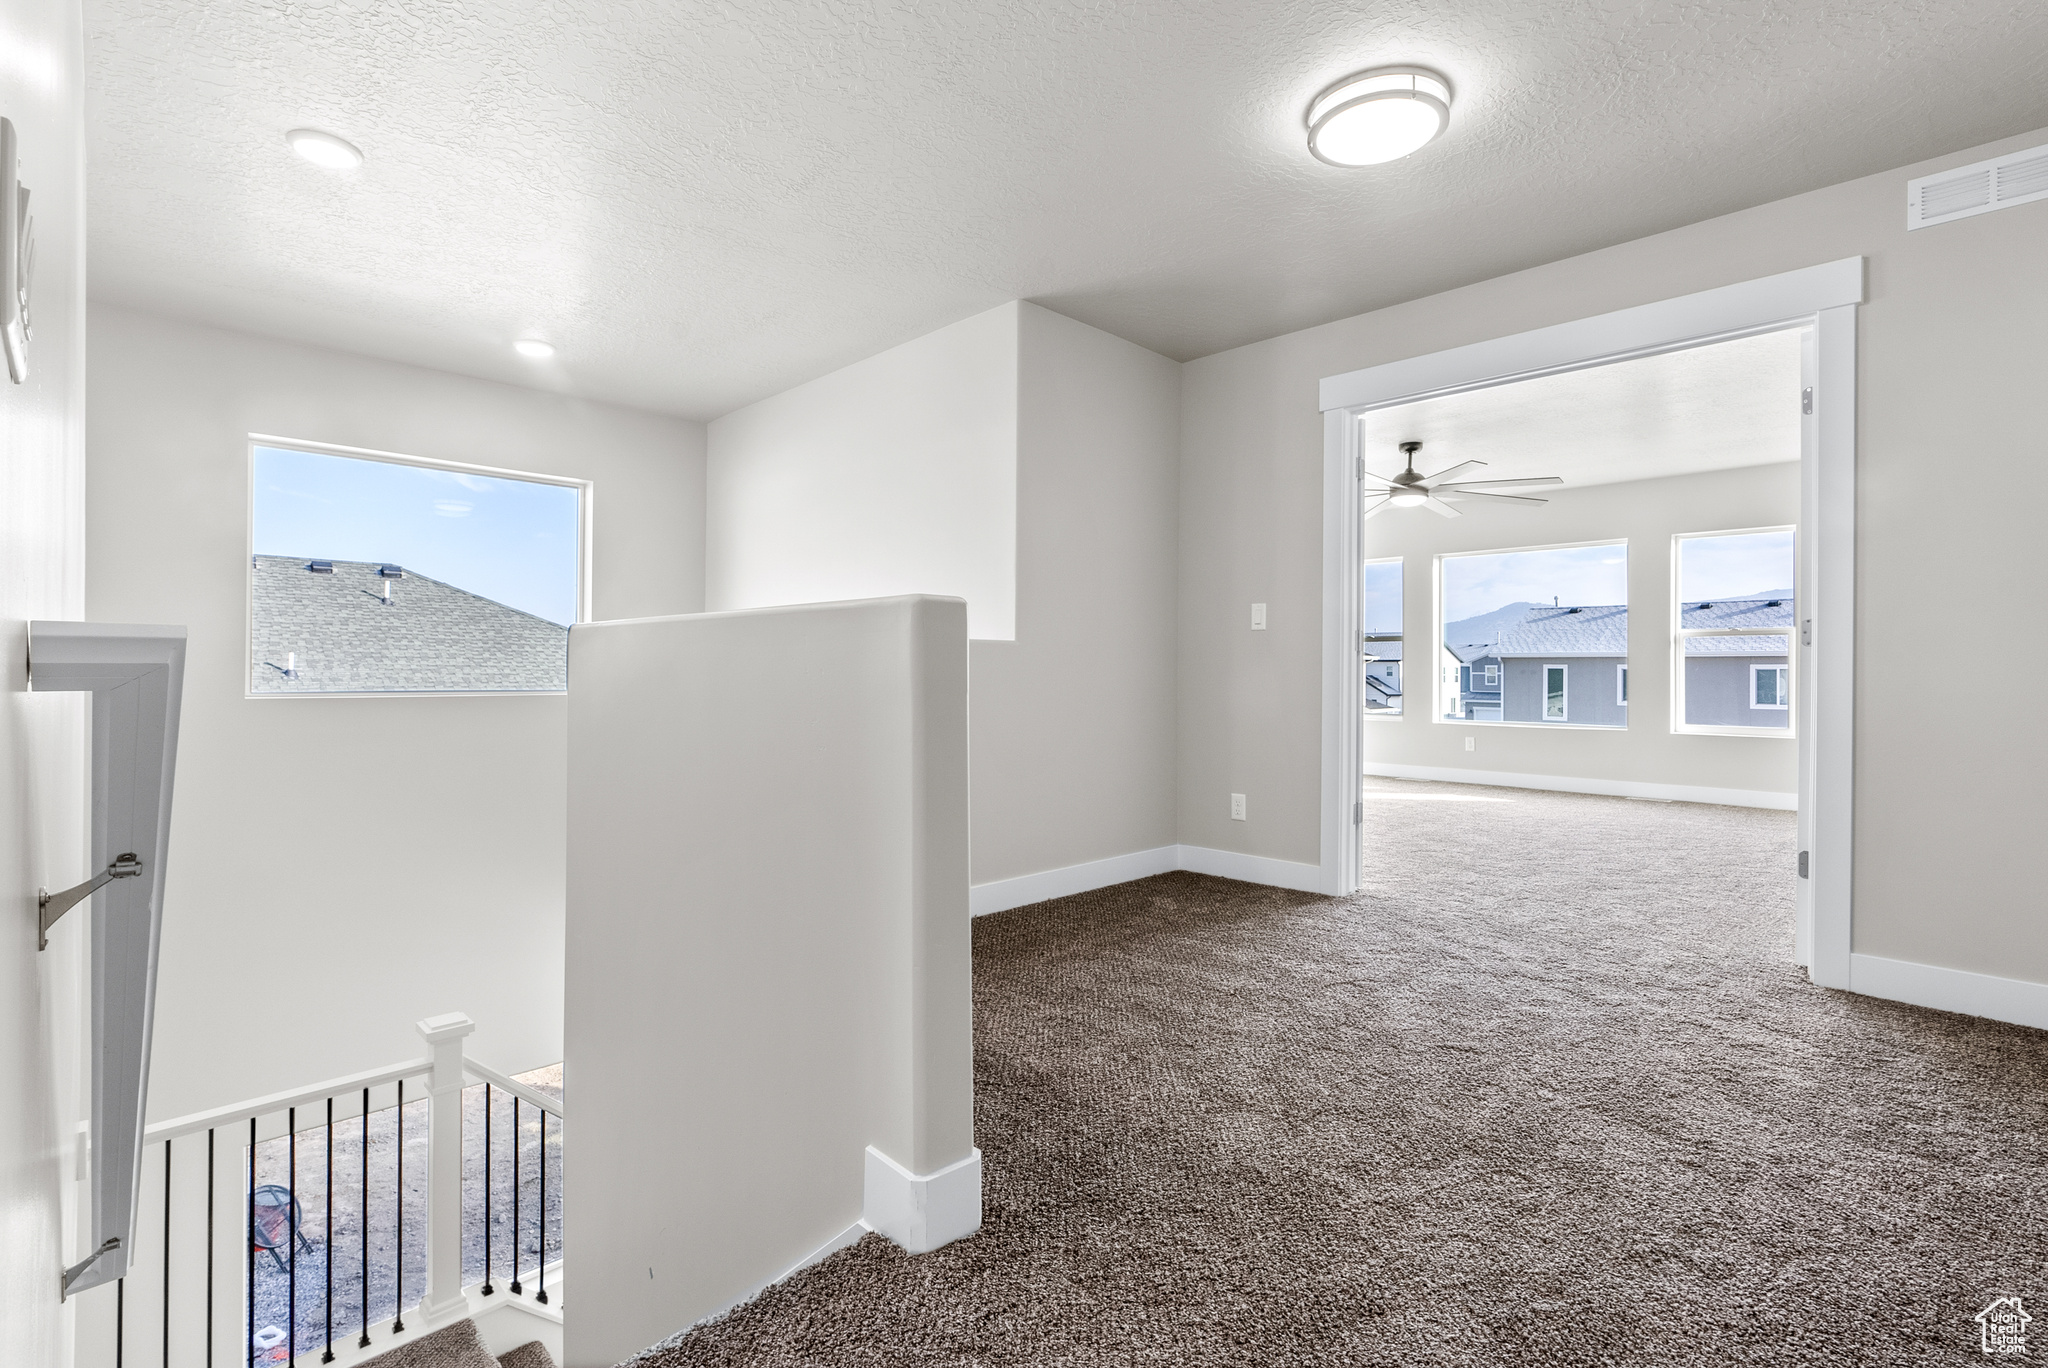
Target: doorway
1811, 311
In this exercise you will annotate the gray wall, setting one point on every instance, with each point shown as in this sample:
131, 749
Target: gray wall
42, 803
402, 855
1717, 693
1589, 699
1952, 346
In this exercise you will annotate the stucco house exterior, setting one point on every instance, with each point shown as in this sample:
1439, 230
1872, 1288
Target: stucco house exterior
1738, 681
1478, 677
1566, 666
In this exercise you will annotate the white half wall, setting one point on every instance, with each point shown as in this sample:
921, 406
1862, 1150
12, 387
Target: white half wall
894, 475
768, 952
42, 798
1646, 514
388, 858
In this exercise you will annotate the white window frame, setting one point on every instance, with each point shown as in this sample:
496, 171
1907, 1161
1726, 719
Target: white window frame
1441, 712
1366, 643
1564, 694
1681, 634
1621, 685
1821, 301
585, 523
1784, 689
1492, 676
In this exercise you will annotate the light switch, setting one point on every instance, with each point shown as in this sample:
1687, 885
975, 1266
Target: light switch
1258, 617
1471, 743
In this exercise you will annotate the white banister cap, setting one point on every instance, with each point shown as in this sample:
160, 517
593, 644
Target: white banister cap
449, 1026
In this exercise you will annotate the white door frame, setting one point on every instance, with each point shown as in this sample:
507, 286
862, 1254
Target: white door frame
1823, 298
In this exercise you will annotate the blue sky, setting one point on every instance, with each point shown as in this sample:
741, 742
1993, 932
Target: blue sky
1383, 597
1734, 567
1584, 575
514, 541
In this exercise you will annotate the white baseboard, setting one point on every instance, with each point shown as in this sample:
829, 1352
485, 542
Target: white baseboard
920, 1212
1258, 869
1950, 990
1611, 788
1003, 894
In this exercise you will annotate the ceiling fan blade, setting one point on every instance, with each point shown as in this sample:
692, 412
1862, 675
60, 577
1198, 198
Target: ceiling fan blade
1442, 509
1442, 475
1374, 508
1494, 498
1500, 484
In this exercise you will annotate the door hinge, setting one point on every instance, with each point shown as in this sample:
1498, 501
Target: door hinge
1358, 819
1806, 632
1806, 400
1802, 864
1358, 467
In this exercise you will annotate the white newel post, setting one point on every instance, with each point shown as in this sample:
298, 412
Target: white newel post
443, 1035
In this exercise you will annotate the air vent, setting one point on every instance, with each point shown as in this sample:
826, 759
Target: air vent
2017, 178
390, 572
320, 567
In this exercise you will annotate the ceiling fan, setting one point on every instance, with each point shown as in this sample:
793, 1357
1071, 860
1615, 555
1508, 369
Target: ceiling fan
1437, 492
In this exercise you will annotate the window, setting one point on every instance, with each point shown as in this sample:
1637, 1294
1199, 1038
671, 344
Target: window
1770, 686
378, 574
1380, 638
1516, 626
1734, 612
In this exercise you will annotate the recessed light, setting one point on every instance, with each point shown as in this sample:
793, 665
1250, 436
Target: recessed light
1378, 116
324, 149
534, 349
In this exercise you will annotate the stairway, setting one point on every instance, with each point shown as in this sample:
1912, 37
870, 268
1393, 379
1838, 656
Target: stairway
459, 1346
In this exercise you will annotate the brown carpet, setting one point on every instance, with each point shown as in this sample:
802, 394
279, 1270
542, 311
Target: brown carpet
1547, 1092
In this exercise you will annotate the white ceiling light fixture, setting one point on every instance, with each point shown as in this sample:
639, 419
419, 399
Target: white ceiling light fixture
1378, 116
324, 149
534, 349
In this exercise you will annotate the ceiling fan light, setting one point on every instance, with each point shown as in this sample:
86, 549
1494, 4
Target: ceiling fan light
1407, 498
324, 149
1378, 116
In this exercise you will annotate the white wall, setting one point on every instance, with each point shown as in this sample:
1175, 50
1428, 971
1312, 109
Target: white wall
42, 802
1952, 344
1647, 514
894, 475
819, 494
768, 946
341, 868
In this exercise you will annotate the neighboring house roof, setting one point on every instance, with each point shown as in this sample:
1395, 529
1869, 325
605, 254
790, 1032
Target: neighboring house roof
1383, 650
1729, 613
1595, 630
430, 637
1470, 652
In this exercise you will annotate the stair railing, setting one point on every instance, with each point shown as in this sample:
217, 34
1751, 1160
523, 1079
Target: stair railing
245, 1271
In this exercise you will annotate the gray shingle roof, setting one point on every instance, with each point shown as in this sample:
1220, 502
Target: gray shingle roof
1467, 652
430, 637
1738, 645
1725, 613
1596, 630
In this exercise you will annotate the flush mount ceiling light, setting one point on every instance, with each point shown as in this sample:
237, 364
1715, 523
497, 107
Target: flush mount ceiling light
533, 349
324, 149
1378, 116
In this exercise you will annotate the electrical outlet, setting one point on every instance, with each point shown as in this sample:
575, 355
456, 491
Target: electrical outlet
1471, 743
1258, 617
1237, 807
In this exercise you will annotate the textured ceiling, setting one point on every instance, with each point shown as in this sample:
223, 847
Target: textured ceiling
701, 204
1705, 408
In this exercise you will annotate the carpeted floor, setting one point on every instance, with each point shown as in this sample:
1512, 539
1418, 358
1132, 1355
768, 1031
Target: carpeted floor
1546, 1092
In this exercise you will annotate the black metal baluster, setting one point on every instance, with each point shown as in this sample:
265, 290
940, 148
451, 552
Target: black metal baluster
327, 1251
487, 1288
249, 1239
517, 1247
167, 1254
542, 1295
291, 1234
120, 1316
398, 1258
363, 1224
209, 1247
